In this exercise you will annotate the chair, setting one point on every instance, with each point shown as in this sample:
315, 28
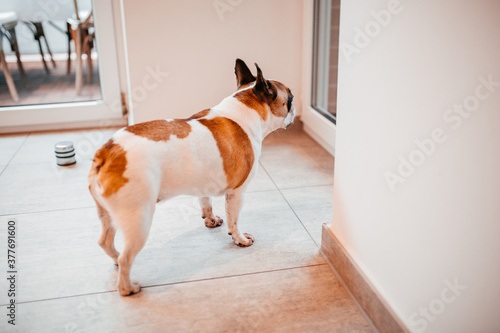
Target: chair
33, 13
38, 32
81, 31
8, 22
7, 18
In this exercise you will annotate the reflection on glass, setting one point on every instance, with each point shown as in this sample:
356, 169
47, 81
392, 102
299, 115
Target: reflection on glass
325, 57
48, 52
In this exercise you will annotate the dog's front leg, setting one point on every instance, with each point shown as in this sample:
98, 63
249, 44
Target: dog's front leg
234, 201
211, 221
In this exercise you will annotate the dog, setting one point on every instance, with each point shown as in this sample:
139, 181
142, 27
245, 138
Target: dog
149, 162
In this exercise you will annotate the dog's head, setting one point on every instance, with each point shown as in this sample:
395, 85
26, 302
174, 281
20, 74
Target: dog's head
271, 99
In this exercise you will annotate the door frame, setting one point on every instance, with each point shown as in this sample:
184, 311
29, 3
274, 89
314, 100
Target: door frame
101, 113
316, 125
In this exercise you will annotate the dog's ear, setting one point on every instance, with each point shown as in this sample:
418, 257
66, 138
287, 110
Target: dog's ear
243, 74
264, 88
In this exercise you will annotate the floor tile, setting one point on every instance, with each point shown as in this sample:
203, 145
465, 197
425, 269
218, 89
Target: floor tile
280, 240
313, 206
9, 144
39, 147
292, 166
45, 186
261, 182
298, 300
59, 255
293, 159
294, 135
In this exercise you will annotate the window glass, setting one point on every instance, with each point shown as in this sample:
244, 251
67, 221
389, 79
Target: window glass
325, 57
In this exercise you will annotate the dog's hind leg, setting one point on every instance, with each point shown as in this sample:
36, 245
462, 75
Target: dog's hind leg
135, 223
211, 221
107, 239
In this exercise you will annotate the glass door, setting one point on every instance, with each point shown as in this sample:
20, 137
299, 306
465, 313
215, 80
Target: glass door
325, 57
58, 65
320, 64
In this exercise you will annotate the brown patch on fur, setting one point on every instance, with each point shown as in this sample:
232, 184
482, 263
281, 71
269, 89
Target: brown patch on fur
278, 106
199, 115
109, 165
249, 98
235, 149
160, 130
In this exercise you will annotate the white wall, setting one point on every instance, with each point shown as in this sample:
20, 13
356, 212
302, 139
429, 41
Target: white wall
195, 48
442, 223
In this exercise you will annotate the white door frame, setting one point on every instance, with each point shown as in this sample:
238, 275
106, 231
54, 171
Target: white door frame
102, 113
315, 124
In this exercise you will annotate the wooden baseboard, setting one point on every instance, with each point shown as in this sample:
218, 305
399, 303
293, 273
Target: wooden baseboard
374, 306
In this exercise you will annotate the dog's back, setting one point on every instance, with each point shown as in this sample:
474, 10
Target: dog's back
201, 156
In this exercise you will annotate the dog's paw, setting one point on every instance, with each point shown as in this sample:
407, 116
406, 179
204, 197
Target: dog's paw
213, 222
135, 287
246, 242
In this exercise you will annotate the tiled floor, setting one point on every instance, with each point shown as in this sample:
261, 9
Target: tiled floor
194, 279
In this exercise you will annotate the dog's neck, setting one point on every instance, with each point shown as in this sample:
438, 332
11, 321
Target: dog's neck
246, 117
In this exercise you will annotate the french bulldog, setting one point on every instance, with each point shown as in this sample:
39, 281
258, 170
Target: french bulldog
149, 162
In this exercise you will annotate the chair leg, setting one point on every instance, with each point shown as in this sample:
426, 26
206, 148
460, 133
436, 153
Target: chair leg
89, 66
50, 52
12, 32
68, 63
8, 78
78, 70
43, 58
41, 33
88, 52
